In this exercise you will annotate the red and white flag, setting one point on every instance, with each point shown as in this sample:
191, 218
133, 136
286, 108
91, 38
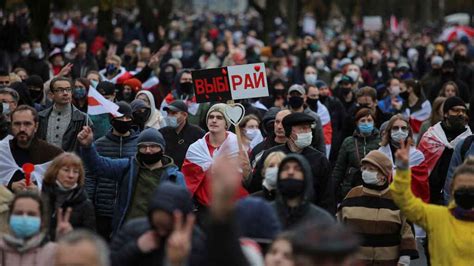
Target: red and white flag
98, 104
394, 28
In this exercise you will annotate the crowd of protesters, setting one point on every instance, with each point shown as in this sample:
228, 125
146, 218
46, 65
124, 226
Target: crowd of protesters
362, 146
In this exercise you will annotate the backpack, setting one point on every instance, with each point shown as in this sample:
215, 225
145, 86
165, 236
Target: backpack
465, 146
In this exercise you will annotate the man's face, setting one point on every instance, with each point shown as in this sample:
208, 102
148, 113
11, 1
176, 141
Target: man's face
313, 93
83, 253
458, 111
145, 54
324, 91
4, 81
299, 129
7, 98
291, 170
23, 127
186, 77
180, 116
162, 223
278, 125
366, 101
82, 49
62, 92
216, 122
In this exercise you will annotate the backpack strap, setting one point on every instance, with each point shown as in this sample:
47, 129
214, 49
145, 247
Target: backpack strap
465, 146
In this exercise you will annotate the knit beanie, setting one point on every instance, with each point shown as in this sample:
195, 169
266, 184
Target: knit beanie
452, 102
151, 135
219, 107
134, 83
379, 160
124, 108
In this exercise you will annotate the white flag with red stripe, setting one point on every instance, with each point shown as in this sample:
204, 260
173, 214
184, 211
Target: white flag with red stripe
394, 28
98, 104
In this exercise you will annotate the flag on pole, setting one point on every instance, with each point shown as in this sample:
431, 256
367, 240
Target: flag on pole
98, 104
394, 28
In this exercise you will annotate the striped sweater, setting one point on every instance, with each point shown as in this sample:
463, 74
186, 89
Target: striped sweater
385, 233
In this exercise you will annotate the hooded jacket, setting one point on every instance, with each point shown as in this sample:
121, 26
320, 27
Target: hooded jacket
167, 197
125, 172
103, 192
156, 119
306, 211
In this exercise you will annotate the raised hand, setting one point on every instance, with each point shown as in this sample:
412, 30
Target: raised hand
156, 57
85, 136
65, 70
63, 226
244, 163
19, 186
403, 153
225, 180
178, 245
148, 242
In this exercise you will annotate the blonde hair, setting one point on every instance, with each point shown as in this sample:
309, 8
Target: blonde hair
276, 154
64, 159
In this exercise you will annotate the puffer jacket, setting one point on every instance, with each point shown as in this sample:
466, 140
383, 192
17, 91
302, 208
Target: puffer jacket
306, 212
348, 161
102, 191
39, 253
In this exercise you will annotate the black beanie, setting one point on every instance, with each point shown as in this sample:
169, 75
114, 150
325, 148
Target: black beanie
34, 81
124, 108
451, 102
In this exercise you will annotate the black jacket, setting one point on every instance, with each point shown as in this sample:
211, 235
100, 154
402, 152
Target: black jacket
124, 247
306, 212
321, 175
178, 143
82, 216
69, 142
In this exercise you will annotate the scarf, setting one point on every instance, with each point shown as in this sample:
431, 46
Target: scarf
23, 245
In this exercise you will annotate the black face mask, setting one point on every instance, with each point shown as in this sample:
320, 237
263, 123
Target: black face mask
404, 95
141, 117
322, 98
456, 121
127, 96
346, 91
35, 94
290, 188
312, 103
295, 102
122, 127
149, 158
186, 87
464, 198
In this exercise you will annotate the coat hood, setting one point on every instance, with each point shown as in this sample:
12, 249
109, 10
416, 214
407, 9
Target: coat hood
308, 180
154, 113
170, 197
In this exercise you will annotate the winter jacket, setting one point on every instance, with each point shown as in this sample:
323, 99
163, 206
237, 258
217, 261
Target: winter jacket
104, 191
125, 172
6, 196
321, 175
338, 115
69, 142
82, 216
306, 212
167, 197
347, 169
41, 253
450, 239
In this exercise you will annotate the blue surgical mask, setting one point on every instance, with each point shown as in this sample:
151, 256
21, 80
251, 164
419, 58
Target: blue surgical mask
366, 128
171, 121
24, 226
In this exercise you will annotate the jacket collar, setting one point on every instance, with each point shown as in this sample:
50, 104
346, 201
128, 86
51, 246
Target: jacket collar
77, 115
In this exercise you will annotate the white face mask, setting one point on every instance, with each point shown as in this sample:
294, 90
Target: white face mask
310, 79
354, 75
5, 108
177, 54
271, 174
251, 133
399, 135
394, 90
370, 177
303, 140
320, 64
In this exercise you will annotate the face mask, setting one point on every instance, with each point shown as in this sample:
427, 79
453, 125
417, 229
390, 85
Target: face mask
35, 94
149, 158
303, 140
24, 226
366, 128
38, 52
359, 62
310, 79
171, 121
341, 47
141, 117
110, 69
464, 198
457, 121
291, 188
398, 136
271, 174
285, 71
370, 177
79, 93
320, 64
127, 96
354, 75
312, 103
346, 91
5, 108
295, 102
395, 90
404, 95
186, 87
322, 98
252, 133
122, 127
177, 54
25, 53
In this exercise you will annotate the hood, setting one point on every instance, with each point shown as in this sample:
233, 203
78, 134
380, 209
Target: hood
152, 102
256, 219
133, 135
308, 180
170, 197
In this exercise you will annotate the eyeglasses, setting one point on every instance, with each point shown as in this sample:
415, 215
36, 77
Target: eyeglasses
152, 147
62, 90
402, 128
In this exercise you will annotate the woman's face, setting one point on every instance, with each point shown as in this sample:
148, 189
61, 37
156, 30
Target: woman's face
26, 206
274, 162
399, 125
365, 120
280, 254
77, 84
449, 91
251, 124
371, 168
144, 98
68, 176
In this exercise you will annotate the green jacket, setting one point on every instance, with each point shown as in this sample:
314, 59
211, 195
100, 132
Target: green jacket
347, 168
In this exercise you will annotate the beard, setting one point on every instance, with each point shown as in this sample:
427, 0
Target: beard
23, 139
